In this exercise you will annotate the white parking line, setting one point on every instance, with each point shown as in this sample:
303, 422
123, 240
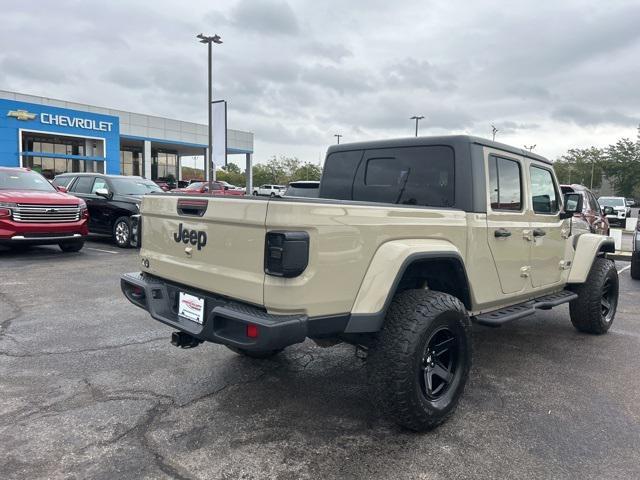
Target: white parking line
100, 250
623, 269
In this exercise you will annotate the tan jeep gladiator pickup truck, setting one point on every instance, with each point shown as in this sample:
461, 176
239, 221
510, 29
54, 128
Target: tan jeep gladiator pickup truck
410, 241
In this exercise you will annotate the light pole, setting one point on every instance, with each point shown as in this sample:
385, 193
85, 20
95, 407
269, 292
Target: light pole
494, 130
417, 119
211, 169
338, 136
531, 147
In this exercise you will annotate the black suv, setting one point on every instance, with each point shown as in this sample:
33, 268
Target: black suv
111, 200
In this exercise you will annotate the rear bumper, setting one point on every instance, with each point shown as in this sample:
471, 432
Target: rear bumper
225, 321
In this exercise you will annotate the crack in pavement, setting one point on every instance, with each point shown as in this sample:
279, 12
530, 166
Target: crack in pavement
82, 350
16, 313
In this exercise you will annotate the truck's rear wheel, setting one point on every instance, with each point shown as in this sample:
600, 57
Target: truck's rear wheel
595, 308
250, 353
419, 364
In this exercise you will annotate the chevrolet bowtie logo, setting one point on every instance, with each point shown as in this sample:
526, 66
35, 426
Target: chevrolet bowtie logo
21, 114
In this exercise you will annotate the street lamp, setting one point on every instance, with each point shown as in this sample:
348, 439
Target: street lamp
338, 136
494, 130
530, 147
211, 169
417, 119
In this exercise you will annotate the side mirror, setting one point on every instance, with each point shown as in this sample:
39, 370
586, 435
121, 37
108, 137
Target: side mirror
607, 210
62, 189
103, 192
572, 205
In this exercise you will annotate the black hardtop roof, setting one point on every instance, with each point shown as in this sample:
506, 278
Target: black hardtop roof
435, 140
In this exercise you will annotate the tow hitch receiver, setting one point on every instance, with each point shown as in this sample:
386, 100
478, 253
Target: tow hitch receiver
184, 340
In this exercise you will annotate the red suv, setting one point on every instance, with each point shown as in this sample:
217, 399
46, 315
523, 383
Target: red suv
34, 212
592, 219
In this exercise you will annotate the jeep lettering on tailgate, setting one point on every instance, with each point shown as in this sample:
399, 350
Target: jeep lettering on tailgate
194, 237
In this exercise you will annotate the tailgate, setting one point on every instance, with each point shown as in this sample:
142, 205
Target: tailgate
214, 244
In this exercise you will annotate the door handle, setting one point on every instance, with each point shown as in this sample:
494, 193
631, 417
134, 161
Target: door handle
501, 233
538, 232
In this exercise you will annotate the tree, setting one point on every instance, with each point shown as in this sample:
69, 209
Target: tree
233, 174
623, 166
307, 171
581, 165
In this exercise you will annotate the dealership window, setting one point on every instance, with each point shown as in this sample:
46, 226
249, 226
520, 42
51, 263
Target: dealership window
40, 143
164, 165
131, 162
50, 167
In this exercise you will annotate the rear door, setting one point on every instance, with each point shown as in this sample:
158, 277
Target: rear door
548, 234
214, 244
507, 221
81, 188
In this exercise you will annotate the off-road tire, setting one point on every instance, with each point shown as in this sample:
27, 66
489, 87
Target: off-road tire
635, 266
588, 310
71, 246
250, 353
122, 242
395, 361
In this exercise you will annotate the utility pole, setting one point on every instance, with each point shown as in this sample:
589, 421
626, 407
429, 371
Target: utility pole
338, 136
211, 168
494, 130
417, 119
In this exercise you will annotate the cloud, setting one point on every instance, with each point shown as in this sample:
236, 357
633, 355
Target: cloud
585, 117
260, 16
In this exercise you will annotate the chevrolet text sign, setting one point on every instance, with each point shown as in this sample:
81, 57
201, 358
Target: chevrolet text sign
75, 122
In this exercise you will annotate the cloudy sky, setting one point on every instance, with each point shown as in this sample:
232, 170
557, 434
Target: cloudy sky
296, 72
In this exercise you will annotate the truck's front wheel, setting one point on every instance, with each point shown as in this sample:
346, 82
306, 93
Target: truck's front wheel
419, 364
595, 308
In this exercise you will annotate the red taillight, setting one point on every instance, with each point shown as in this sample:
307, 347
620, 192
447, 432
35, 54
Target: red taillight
5, 213
252, 331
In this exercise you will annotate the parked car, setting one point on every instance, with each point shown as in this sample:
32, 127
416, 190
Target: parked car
620, 211
270, 190
111, 200
303, 188
34, 212
163, 185
201, 188
591, 219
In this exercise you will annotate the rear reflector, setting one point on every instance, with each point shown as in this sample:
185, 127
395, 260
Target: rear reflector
252, 331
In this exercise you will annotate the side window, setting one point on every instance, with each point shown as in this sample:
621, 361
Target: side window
408, 176
217, 186
593, 203
338, 175
62, 181
82, 185
543, 191
99, 183
505, 184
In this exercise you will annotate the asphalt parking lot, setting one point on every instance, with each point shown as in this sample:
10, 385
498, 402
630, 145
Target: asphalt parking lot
91, 388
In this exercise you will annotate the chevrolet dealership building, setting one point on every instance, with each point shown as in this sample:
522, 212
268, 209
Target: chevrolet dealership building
56, 136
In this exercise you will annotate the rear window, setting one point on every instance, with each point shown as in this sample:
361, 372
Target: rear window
421, 176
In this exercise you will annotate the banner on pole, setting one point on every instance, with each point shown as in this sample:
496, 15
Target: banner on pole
219, 132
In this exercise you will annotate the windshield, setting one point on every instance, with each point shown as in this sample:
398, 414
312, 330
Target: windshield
611, 202
134, 186
24, 180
